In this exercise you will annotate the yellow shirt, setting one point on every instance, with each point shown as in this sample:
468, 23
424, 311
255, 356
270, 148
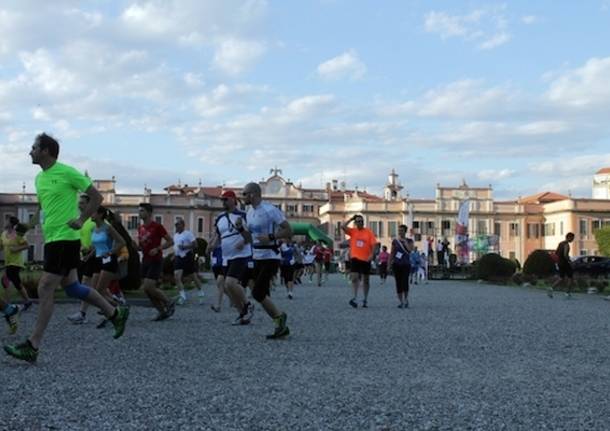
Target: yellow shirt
9, 241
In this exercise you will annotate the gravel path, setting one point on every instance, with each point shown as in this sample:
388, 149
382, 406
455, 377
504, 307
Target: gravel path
464, 356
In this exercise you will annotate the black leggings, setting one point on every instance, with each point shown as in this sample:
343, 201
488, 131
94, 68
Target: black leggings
383, 270
12, 273
401, 275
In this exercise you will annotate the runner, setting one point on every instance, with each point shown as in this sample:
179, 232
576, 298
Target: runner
309, 264
328, 257
267, 225
87, 253
565, 267
235, 242
318, 252
13, 244
383, 258
400, 265
299, 267
362, 243
287, 268
184, 261
219, 269
415, 261
152, 240
57, 187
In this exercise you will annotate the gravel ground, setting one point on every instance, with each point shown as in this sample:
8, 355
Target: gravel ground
464, 356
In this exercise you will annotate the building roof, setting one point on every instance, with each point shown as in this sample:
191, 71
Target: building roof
543, 198
603, 171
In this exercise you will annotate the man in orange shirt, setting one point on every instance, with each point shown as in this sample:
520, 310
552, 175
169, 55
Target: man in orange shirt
362, 243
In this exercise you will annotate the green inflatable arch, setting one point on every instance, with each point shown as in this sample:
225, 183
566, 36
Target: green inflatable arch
311, 232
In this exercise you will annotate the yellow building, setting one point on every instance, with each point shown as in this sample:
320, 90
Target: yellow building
520, 226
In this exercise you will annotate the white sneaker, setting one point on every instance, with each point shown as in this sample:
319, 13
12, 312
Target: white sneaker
290, 295
77, 318
201, 296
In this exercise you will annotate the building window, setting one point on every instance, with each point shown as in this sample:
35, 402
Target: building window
415, 225
561, 228
133, 222
583, 227
374, 226
584, 252
548, 229
307, 208
446, 225
381, 231
292, 208
498, 229
533, 230
199, 224
392, 229
481, 227
595, 225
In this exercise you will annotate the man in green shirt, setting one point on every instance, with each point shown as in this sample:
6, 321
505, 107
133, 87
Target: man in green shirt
58, 187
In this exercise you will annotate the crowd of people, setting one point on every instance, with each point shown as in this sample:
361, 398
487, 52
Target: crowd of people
87, 253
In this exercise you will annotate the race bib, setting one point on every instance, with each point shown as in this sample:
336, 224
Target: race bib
398, 255
251, 265
359, 243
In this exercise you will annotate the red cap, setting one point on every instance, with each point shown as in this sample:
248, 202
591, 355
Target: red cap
228, 194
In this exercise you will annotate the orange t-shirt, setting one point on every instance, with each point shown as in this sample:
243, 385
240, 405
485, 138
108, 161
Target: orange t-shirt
361, 243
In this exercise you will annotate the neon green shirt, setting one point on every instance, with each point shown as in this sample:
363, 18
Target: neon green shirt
58, 188
10, 258
85, 233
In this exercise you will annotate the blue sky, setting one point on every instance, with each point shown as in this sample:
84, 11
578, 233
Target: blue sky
511, 94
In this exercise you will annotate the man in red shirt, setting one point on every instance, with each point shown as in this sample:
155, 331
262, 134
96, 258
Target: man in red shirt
318, 252
150, 241
362, 244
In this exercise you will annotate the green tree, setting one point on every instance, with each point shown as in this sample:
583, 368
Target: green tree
602, 236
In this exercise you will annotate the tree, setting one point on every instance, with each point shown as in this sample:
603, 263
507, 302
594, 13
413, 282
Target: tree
602, 236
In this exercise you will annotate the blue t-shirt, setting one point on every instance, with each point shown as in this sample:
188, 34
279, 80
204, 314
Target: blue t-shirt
101, 240
287, 252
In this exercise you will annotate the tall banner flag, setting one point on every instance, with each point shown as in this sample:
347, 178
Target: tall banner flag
410, 221
462, 248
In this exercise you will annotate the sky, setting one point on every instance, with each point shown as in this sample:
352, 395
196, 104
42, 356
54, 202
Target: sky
512, 94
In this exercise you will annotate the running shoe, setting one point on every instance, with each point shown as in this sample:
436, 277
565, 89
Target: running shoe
249, 312
23, 351
78, 318
281, 330
26, 305
549, 292
364, 304
160, 316
200, 296
171, 308
400, 306
119, 321
12, 319
353, 303
240, 321
215, 309
406, 304
102, 323
290, 295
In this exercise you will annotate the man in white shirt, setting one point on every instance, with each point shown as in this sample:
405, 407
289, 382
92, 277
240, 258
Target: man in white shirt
267, 224
184, 260
235, 241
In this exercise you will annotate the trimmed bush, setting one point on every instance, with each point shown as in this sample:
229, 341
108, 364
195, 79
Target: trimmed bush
602, 237
492, 266
539, 263
582, 283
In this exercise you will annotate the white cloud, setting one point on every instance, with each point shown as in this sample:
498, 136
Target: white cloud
487, 27
346, 65
234, 56
495, 175
584, 87
529, 19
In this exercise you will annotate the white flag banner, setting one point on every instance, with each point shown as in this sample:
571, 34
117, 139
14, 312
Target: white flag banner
462, 249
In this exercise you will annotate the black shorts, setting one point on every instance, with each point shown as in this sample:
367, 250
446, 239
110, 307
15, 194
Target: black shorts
327, 266
110, 266
12, 273
287, 273
298, 266
565, 270
61, 257
151, 269
186, 264
360, 267
262, 274
218, 271
87, 266
240, 269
